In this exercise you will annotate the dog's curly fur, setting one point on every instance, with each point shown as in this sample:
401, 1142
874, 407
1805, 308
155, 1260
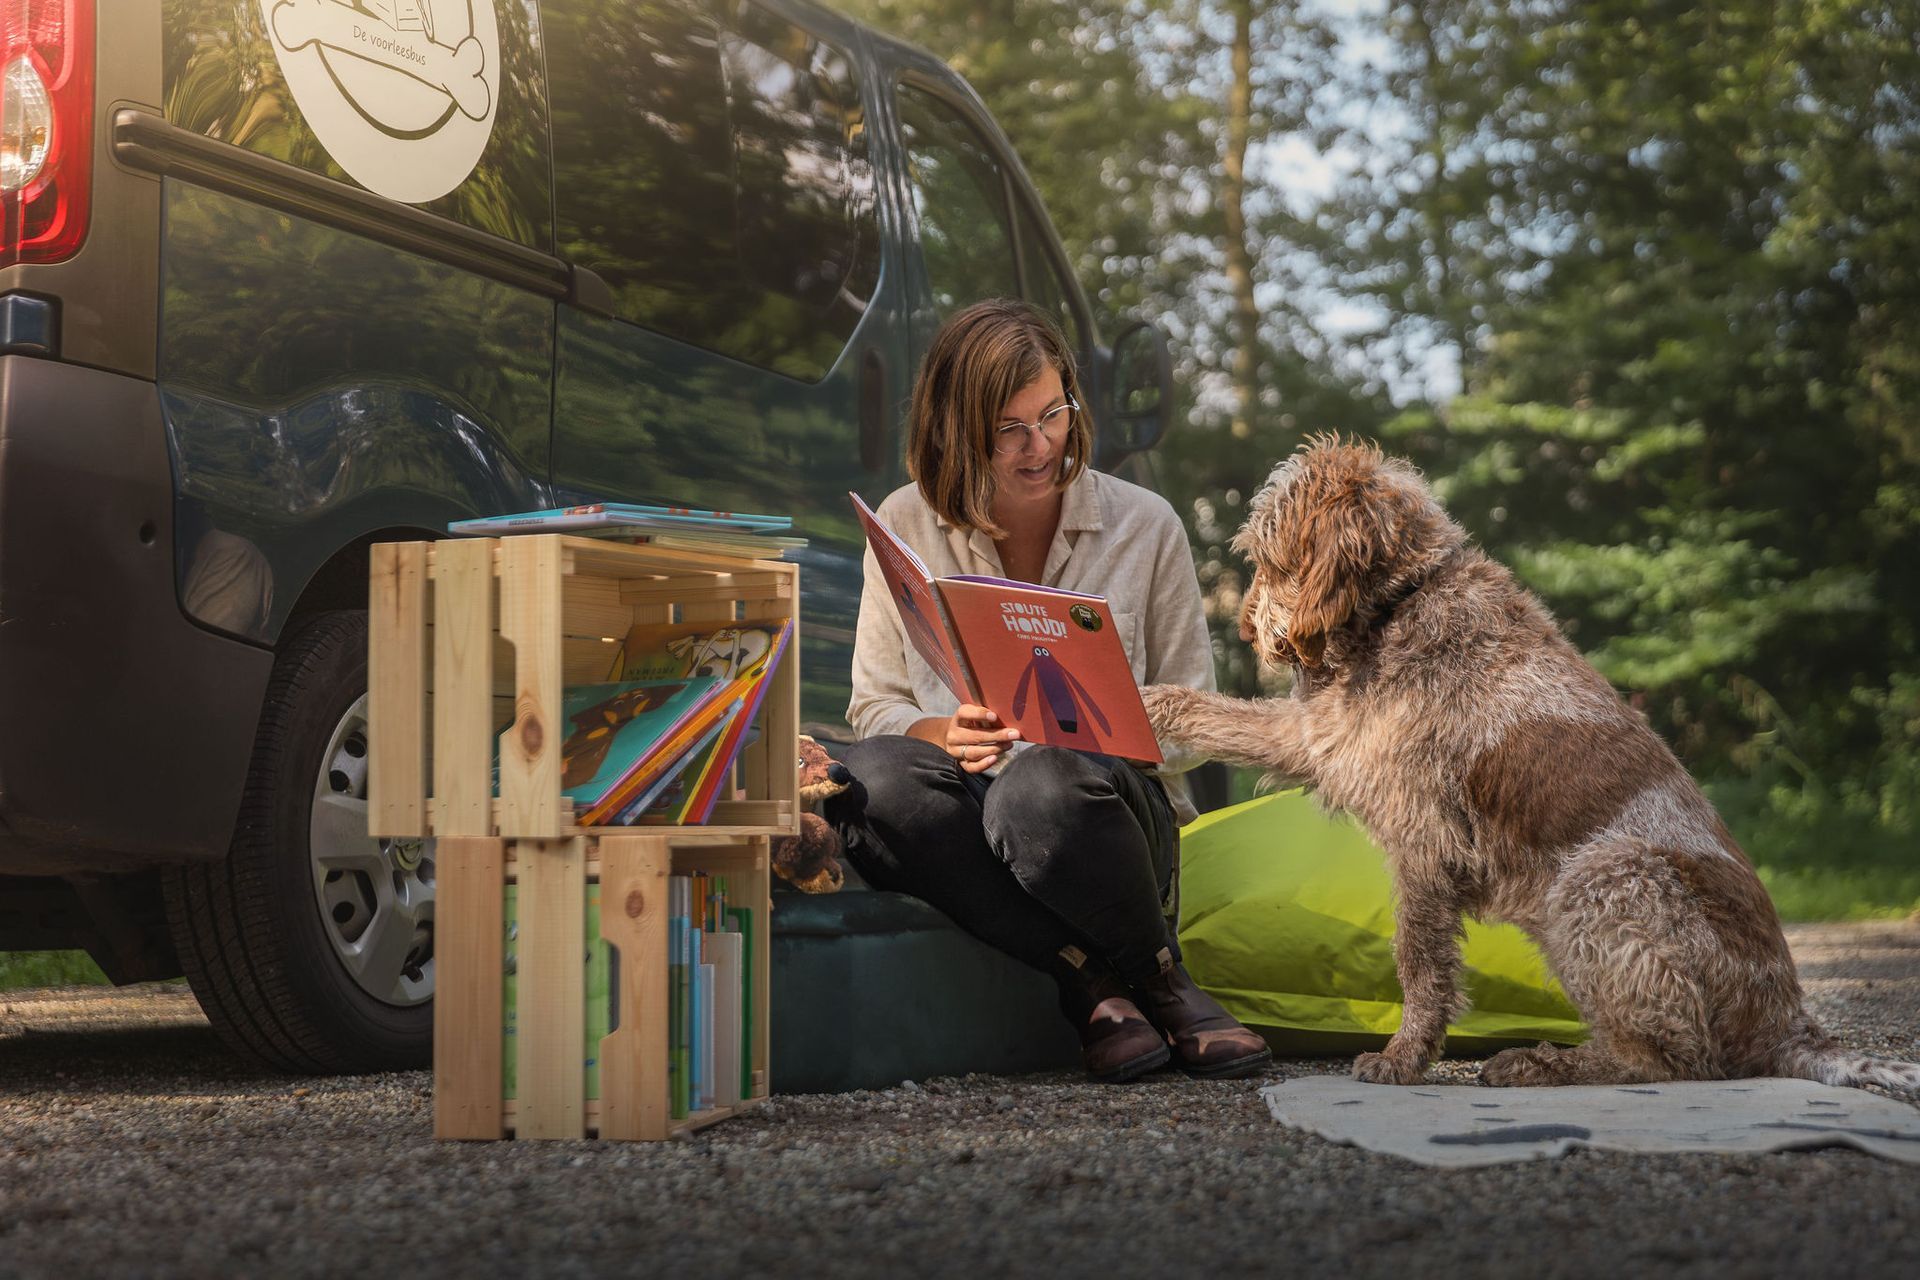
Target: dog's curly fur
1437, 701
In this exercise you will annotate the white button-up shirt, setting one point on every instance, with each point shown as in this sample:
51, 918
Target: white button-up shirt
1115, 539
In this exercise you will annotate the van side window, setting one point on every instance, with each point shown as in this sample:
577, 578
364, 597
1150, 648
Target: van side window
1045, 289
960, 201
809, 238
642, 174
715, 178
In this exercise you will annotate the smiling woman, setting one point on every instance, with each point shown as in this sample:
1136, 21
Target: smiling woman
1063, 859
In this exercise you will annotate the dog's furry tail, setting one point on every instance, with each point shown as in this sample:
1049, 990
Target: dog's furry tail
1810, 1054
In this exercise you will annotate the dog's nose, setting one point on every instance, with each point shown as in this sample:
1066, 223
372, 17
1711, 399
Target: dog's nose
839, 774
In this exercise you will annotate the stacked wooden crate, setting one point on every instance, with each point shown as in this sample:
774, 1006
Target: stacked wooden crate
472, 642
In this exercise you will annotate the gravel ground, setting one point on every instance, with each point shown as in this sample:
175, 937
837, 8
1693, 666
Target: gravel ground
132, 1144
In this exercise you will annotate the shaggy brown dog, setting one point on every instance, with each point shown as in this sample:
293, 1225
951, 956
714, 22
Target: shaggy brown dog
1437, 701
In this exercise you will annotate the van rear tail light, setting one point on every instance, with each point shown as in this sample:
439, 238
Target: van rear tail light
46, 127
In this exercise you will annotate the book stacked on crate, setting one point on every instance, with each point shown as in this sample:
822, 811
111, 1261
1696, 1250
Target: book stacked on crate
655, 743
729, 533
709, 996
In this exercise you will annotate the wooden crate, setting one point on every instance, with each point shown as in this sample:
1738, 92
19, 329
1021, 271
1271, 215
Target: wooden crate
471, 642
552, 876
475, 638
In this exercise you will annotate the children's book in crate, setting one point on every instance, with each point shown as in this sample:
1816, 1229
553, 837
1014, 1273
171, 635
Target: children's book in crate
626, 728
743, 653
672, 778
709, 774
1049, 662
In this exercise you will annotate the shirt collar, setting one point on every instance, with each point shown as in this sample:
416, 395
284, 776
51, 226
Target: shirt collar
1081, 510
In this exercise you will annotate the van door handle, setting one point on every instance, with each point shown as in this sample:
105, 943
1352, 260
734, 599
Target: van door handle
873, 411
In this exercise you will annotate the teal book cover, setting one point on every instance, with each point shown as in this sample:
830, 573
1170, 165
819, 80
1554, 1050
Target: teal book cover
613, 728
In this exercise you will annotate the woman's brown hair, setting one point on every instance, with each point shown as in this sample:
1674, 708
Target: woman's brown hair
979, 360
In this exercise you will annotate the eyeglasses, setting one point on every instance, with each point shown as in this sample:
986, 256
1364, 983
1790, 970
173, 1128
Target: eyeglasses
1013, 436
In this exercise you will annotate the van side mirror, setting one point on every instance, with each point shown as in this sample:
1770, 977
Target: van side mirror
1142, 388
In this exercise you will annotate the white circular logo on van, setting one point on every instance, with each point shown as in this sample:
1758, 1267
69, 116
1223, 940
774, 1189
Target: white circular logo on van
401, 93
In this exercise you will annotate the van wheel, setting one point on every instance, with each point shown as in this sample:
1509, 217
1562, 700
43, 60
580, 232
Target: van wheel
311, 946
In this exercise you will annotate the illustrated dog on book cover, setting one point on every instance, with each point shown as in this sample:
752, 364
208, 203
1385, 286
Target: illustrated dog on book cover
1438, 702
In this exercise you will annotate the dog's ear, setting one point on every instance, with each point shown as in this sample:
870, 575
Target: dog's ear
1342, 542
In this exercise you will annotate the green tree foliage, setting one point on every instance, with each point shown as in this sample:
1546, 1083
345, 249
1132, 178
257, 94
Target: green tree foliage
1675, 243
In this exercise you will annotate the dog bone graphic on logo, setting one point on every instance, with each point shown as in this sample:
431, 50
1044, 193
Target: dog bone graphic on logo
333, 24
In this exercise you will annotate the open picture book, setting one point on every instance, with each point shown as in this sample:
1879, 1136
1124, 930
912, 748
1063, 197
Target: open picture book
1048, 662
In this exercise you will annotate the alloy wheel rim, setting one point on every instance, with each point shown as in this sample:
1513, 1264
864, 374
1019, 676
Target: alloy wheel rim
375, 896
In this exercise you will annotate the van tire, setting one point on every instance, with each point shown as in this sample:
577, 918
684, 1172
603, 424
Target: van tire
249, 929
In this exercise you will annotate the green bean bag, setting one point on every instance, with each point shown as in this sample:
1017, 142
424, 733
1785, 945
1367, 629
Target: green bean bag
1287, 918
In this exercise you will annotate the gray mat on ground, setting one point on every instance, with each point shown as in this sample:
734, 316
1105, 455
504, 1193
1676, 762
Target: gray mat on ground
1456, 1126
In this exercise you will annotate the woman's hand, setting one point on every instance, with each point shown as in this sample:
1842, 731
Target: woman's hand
972, 735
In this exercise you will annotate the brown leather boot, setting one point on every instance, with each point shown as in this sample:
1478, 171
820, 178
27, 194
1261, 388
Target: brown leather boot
1208, 1042
1116, 1042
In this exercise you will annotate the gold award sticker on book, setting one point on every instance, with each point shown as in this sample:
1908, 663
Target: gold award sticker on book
1086, 617
401, 93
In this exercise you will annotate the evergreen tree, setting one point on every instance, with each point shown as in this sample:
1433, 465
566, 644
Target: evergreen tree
1674, 244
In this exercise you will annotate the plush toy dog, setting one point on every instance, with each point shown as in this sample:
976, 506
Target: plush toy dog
810, 861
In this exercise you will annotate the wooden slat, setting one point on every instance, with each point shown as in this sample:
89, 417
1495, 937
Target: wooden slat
619, 560
593, 606
463, 688
469, 925
633, 919
759, 886
583, 660
530, 571
396, 690
757, 817
767, 607
551, 1080
717, 586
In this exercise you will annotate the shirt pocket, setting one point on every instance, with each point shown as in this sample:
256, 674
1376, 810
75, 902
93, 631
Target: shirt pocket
1133, 640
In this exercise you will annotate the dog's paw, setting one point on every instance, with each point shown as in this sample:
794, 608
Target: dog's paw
1380, 1068
1165, 704
1517, 1068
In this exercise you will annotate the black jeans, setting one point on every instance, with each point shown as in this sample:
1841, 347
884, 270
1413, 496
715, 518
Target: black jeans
1063, 849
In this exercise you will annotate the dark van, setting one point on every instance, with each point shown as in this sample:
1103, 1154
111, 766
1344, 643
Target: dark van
283, 278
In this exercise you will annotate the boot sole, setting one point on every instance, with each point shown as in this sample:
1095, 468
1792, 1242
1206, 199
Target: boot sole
1152, 1060
1228, 1070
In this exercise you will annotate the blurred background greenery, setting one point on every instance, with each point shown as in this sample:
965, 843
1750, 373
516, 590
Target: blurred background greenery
1636, 282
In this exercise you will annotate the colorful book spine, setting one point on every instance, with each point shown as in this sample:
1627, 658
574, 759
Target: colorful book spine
711, 774
645, 800
708, 1005
724, 947
678, 990
740, 920
696, 1057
